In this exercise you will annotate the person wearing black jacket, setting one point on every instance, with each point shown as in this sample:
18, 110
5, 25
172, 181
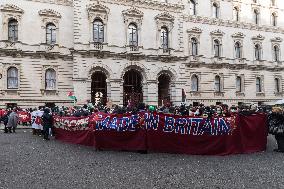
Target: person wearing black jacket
5, 119
47, 121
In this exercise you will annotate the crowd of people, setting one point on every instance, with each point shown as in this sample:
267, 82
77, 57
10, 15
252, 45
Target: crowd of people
41, 118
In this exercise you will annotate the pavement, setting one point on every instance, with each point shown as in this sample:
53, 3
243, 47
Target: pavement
27, 161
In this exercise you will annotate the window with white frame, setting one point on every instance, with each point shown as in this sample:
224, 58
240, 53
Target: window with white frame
98, 31
218, 87
258, 85
12, 78
277, 85
133, 35
239, 84
257, 52
50, 34
194, 83
217, 48
13, 30
194, 46
276, 53
238, 50
192, 7
215, 8
50, 79
164, 38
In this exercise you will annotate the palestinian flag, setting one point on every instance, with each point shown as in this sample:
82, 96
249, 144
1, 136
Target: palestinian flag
72, 96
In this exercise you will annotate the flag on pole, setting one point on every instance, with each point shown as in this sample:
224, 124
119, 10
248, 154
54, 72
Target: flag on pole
72, 96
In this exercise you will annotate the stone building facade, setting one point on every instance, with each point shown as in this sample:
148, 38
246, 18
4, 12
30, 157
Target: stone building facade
212, 51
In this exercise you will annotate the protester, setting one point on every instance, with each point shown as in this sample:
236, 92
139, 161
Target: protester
5, 119
47, 121
13, 121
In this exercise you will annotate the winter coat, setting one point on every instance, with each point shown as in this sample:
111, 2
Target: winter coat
276, 124
47, 120
13, 120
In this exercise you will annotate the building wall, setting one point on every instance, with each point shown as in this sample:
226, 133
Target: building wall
76, 58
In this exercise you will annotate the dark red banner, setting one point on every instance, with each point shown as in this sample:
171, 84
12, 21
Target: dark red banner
167, 133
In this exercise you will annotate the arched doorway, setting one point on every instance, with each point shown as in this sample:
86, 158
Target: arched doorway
132, 88
164, 81
99, 88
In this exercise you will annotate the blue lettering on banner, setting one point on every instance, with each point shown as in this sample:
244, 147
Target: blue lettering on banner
151, 121
180, 125
133, 122
113, 124
169, 124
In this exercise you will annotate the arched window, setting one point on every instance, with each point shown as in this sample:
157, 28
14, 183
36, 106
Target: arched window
215, 10
12, 78
133, 35
194, 47
274, 19
256, 16
98, 31
194, 83
217, 84
217, 48
236, 14
238, 51
164, 38
50, 34
50, 79
192, 4
277, 85
239, 84
257, 52
276, 53
13, 30
258, 85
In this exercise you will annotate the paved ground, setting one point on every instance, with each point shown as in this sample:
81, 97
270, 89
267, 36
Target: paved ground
27, 161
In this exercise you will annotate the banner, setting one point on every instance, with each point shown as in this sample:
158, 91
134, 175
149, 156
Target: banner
24, 117
166, 133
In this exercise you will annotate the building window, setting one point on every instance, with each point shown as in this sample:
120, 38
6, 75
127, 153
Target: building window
194, 83
192, 4
236, 14
50, 79
256, 16
277, 85
13, 30
239, 84
12, 78
50, 34
258, 85
194, 47
98, 31
164, 38
274, 19
273, 3
215, 10
257, 52
276, 53
238, 51
217, 84
133, 35
217, 48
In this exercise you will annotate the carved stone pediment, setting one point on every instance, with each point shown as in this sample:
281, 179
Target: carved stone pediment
217, 33
133, 12
258, 38
238, 35
49, 13
194, 30
97, 10
11, 8
165, 17
277, 40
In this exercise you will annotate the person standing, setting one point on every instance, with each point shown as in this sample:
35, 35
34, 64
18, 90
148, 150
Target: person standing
47, 121
5, 121
13, 121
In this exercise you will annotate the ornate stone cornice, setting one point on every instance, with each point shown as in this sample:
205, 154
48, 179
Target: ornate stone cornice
58, 2
165, 17
156, 5
217, 33
258, 38
194, 30
132, 12
97, 8
239, 35
277, 40
49, 13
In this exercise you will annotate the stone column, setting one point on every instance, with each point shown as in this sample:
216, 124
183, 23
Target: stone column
116, 92
82, 90
152, 97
